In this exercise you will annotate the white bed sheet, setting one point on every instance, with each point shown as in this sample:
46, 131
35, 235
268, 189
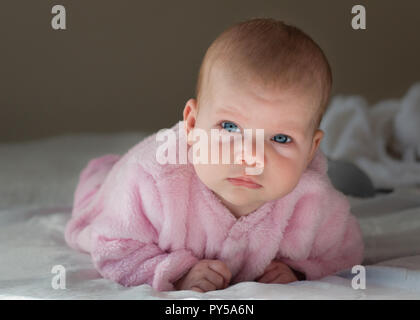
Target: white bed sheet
37, 183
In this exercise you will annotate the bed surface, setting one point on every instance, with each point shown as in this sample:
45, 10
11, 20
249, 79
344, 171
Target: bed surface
37, 184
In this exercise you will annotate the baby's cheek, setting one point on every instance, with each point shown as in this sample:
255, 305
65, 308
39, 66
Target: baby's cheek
209, 174
283, 174
282, 151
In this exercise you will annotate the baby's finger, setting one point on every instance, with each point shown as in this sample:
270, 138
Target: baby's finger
284, 278
271, 266
205, 285
269, 276
197, 289
221, 268
215, 278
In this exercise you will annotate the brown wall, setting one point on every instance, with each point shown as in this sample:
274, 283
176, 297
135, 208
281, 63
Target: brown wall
131, 65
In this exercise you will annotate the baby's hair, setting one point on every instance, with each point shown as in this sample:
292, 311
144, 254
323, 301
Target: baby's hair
276, 54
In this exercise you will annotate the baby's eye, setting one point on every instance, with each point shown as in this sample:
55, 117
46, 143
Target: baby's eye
281, 138
227, 125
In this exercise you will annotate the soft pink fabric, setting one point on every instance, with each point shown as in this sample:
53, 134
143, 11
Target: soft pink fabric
147, 223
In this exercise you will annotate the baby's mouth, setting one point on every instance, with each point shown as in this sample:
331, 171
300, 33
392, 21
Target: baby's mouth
244, 182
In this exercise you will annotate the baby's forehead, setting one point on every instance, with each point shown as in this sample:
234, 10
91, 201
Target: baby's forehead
227, 89
287, 111
222, 78
240, 95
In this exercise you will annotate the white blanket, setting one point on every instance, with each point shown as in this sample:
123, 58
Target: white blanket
37, 184
31, 244
383, 139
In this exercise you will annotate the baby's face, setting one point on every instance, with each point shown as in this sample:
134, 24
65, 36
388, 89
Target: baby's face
289, 143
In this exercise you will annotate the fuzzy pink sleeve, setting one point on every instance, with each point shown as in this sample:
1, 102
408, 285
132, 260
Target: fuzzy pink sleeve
334, 240
124, 237
131, 263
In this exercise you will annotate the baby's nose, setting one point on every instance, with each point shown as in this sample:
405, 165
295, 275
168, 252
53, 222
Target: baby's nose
252, 157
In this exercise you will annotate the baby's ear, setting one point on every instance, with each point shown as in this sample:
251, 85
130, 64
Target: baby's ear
190, 114
316, 142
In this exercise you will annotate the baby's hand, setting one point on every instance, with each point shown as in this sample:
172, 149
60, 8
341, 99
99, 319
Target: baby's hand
206, 275
277, 272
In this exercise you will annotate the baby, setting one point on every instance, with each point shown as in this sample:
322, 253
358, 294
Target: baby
201, 227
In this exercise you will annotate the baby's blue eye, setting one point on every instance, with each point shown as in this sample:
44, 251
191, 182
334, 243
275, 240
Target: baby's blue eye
281, 138
227, 125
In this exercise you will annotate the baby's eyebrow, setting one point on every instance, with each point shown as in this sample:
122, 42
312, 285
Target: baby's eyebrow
230, 111
292, 126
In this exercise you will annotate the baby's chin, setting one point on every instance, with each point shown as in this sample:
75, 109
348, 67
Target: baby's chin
240, 196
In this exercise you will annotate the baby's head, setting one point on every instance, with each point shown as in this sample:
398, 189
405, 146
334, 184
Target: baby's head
261, 74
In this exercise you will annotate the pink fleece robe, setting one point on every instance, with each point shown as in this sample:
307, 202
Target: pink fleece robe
147, 223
